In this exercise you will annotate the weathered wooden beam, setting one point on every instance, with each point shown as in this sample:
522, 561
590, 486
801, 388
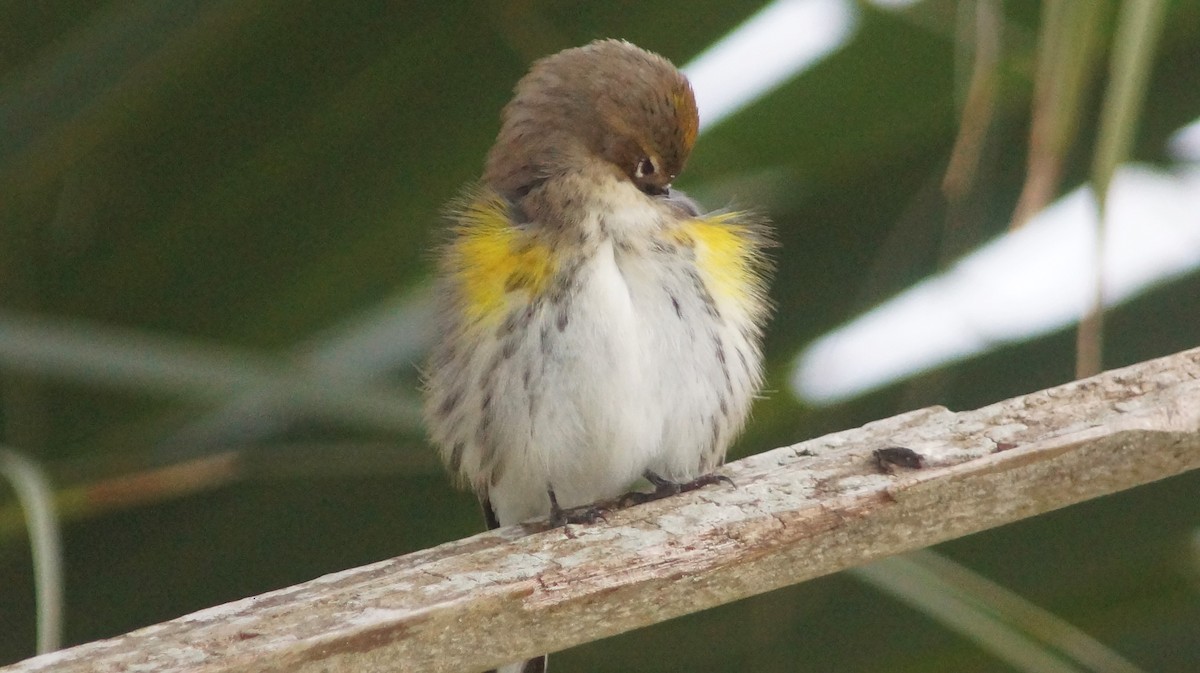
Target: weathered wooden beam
795, 513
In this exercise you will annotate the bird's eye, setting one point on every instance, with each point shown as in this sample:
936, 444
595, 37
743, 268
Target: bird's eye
645, 166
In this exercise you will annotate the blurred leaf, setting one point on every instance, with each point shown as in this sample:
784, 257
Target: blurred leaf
1068, 45
1138, 29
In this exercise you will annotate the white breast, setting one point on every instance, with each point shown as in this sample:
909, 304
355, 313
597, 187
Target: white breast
627, 385
628, 367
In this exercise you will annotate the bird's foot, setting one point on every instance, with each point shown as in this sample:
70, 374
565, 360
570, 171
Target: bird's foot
664, 488
583, 514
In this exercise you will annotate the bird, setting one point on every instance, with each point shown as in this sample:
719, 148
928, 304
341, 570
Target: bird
595, 326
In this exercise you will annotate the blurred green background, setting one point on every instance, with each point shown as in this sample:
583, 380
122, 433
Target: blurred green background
215, 219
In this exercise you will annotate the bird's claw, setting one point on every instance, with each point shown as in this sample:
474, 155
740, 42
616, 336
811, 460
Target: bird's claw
580, 515
664, 488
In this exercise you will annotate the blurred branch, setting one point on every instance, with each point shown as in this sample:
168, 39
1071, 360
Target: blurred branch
149, 485
1129, 70
260, 397
22, 398
1067, 51
359, 351
796, 513
1016, 631
130, 490
45, 542
90, 353
980, 102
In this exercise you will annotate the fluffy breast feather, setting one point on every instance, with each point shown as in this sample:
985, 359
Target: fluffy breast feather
578, 367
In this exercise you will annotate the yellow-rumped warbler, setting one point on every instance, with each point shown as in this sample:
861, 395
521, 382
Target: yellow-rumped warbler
594, 326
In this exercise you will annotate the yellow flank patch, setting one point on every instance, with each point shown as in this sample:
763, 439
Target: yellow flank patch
724, 255
490, 258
